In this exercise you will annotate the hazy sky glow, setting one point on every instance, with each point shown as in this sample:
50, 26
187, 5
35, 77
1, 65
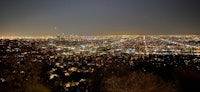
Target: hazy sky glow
99, 17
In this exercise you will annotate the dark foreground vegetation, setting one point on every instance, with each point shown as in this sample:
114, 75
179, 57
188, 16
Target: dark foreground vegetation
111, 77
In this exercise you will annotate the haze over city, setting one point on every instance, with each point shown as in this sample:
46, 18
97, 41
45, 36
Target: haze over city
98, 17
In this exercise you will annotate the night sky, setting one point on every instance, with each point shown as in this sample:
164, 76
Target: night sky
98, 17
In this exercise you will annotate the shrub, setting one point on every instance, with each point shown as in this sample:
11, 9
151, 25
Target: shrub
137, 82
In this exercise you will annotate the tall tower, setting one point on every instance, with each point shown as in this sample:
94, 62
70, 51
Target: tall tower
58, 37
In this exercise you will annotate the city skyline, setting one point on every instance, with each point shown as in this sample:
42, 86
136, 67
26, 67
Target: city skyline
99, 17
